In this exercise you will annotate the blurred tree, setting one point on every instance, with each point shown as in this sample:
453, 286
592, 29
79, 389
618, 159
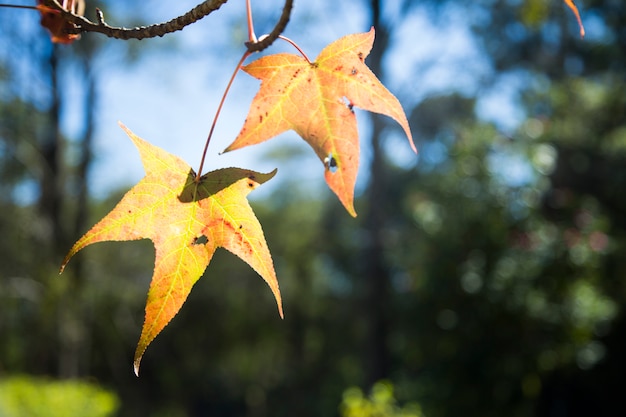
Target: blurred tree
486, 280
498, 262
47, 120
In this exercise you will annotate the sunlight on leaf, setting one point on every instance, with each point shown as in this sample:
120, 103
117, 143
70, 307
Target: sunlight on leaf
316, 100
186, 220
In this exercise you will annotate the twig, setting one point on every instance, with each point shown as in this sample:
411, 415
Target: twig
266, 41
18, 6
85, 25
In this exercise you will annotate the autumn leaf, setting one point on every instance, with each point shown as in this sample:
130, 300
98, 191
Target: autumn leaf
315, 99
574, 9
186, 220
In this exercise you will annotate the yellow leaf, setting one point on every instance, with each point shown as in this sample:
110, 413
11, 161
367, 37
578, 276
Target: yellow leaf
186, 220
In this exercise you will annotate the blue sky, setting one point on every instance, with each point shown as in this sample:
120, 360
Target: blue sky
169, 96
170, 99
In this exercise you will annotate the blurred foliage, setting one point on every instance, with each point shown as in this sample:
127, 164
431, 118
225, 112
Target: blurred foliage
380, 403
22, 396
505, 251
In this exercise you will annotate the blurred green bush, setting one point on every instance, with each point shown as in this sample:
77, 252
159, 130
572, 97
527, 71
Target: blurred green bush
380, 403
23, 395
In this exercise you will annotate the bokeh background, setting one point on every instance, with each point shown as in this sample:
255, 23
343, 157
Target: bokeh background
484, 277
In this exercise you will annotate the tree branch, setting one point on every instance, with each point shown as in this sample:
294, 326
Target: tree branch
83, 24
266, 41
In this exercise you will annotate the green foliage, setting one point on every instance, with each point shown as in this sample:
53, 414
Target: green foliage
22, 396
380, 403
505, 292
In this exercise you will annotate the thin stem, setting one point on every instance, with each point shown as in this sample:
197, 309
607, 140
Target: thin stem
295, 46
251, 35
217, 113
253, 45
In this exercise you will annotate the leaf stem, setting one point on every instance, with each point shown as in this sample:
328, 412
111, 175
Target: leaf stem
295, 45
251, 35
253, 45
217, 113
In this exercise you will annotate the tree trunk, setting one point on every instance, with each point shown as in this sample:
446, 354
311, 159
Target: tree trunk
59, 233
377, 292
51, 152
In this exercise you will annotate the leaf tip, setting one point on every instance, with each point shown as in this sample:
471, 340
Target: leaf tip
276, 291
574, 9
66, 260
350, 209
404, 123
261, 178
412, 144
271, 174
125, 129
137, 362
139, 351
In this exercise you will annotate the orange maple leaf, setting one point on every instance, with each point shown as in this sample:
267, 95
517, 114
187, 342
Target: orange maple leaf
315, 99
186, 220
